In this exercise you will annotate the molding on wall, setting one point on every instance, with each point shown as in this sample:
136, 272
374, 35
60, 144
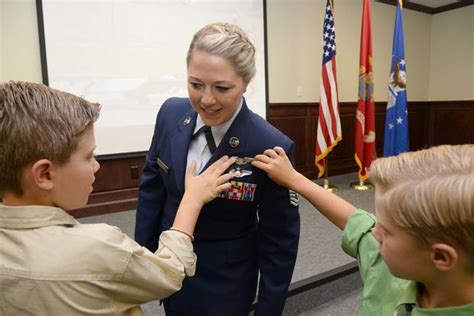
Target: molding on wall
429, 10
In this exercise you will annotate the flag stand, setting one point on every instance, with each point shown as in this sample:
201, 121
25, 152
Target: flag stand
326, 185
362, 185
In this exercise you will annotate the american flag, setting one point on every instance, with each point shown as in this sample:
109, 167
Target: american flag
329, 125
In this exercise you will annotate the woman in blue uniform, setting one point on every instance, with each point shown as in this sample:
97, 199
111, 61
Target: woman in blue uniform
250, 231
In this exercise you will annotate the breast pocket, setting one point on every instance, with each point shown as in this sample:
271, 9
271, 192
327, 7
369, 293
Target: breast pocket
245, 185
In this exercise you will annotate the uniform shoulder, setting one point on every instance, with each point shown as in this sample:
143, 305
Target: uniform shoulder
174, 108
267, 131
176, 103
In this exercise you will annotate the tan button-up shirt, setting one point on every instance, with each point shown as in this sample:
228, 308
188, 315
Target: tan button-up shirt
50, 264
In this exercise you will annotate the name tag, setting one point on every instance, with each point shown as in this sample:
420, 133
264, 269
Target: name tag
162, 165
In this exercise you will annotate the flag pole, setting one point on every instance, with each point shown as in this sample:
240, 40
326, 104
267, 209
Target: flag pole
362, 185
328, 186
329, 131
365, 151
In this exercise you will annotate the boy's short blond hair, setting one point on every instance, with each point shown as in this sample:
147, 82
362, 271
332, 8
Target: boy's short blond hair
228, 41
37, 122
430, 193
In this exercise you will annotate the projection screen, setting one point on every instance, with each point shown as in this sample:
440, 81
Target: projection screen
130, 57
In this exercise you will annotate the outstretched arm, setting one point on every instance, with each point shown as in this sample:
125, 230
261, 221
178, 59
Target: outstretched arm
278, 167
200, 190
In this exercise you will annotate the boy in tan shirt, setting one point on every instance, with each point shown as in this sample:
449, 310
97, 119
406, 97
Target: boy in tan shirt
50, 264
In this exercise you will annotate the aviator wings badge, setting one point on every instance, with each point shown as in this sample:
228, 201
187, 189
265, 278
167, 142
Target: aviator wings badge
239, 173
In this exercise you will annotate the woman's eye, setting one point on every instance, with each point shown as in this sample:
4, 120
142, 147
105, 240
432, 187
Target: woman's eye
222, 89
195, 85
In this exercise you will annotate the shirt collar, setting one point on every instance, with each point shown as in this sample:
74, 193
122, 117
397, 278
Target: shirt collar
219, 131
33, 216
407, 300
407, 305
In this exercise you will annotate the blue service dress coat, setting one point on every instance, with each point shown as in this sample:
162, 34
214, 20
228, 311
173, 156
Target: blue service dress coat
252, 228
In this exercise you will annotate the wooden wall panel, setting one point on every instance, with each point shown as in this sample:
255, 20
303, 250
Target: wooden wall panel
116, 185
291, 125
431, 123
121, 173
452, 122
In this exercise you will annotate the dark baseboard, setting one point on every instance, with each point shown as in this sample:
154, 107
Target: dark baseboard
306, 294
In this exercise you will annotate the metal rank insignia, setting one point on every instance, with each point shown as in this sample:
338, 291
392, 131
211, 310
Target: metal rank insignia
240, 191
293, 198
243, 160
234, 142
239, 173
187, 120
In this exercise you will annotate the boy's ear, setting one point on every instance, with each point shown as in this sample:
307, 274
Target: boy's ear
444, 256
41, 174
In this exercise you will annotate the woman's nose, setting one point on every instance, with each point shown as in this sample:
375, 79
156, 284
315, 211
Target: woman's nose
207, 97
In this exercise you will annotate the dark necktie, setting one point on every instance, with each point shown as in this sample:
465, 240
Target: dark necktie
209, 139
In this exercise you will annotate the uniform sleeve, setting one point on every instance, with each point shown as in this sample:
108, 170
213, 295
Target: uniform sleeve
278, 233
358, 241
151, 196
151, 276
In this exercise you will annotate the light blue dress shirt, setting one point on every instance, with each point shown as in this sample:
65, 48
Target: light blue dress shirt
198, 149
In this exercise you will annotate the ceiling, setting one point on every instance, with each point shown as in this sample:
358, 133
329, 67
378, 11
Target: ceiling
432, 3
431, 6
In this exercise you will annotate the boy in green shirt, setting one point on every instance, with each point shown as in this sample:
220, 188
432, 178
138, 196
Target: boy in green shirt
417, 257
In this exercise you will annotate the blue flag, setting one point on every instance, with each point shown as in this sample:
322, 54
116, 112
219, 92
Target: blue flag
396, 120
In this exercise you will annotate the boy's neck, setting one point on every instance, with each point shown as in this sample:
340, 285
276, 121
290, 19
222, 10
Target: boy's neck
10, 199
449, 292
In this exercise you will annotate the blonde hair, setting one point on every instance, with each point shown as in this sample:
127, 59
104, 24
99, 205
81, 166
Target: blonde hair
228, 41
430, 193
37, 122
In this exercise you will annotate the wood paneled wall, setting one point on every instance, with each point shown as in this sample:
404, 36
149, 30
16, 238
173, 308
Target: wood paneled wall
431, 123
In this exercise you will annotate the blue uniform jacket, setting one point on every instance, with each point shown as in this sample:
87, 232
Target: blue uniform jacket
252, 228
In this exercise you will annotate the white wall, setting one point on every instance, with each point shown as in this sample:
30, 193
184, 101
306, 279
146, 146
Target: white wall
2, 31
20, 56
295, 49
452, 62
130, 57
294, 45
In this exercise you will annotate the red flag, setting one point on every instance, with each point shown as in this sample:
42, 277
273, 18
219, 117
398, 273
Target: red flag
365, 115
329, 124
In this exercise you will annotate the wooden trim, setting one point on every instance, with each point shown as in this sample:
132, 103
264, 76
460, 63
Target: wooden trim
409, 6
137, 154
322, 278
108, 202
429, 10
42, 42
453, 6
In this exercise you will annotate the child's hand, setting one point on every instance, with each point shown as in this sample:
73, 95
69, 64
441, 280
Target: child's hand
209, 184
276, 164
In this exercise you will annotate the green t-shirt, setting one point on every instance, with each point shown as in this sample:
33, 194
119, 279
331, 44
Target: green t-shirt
384, 294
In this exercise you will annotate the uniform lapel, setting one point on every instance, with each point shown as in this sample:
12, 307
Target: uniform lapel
179, 145
238, 131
